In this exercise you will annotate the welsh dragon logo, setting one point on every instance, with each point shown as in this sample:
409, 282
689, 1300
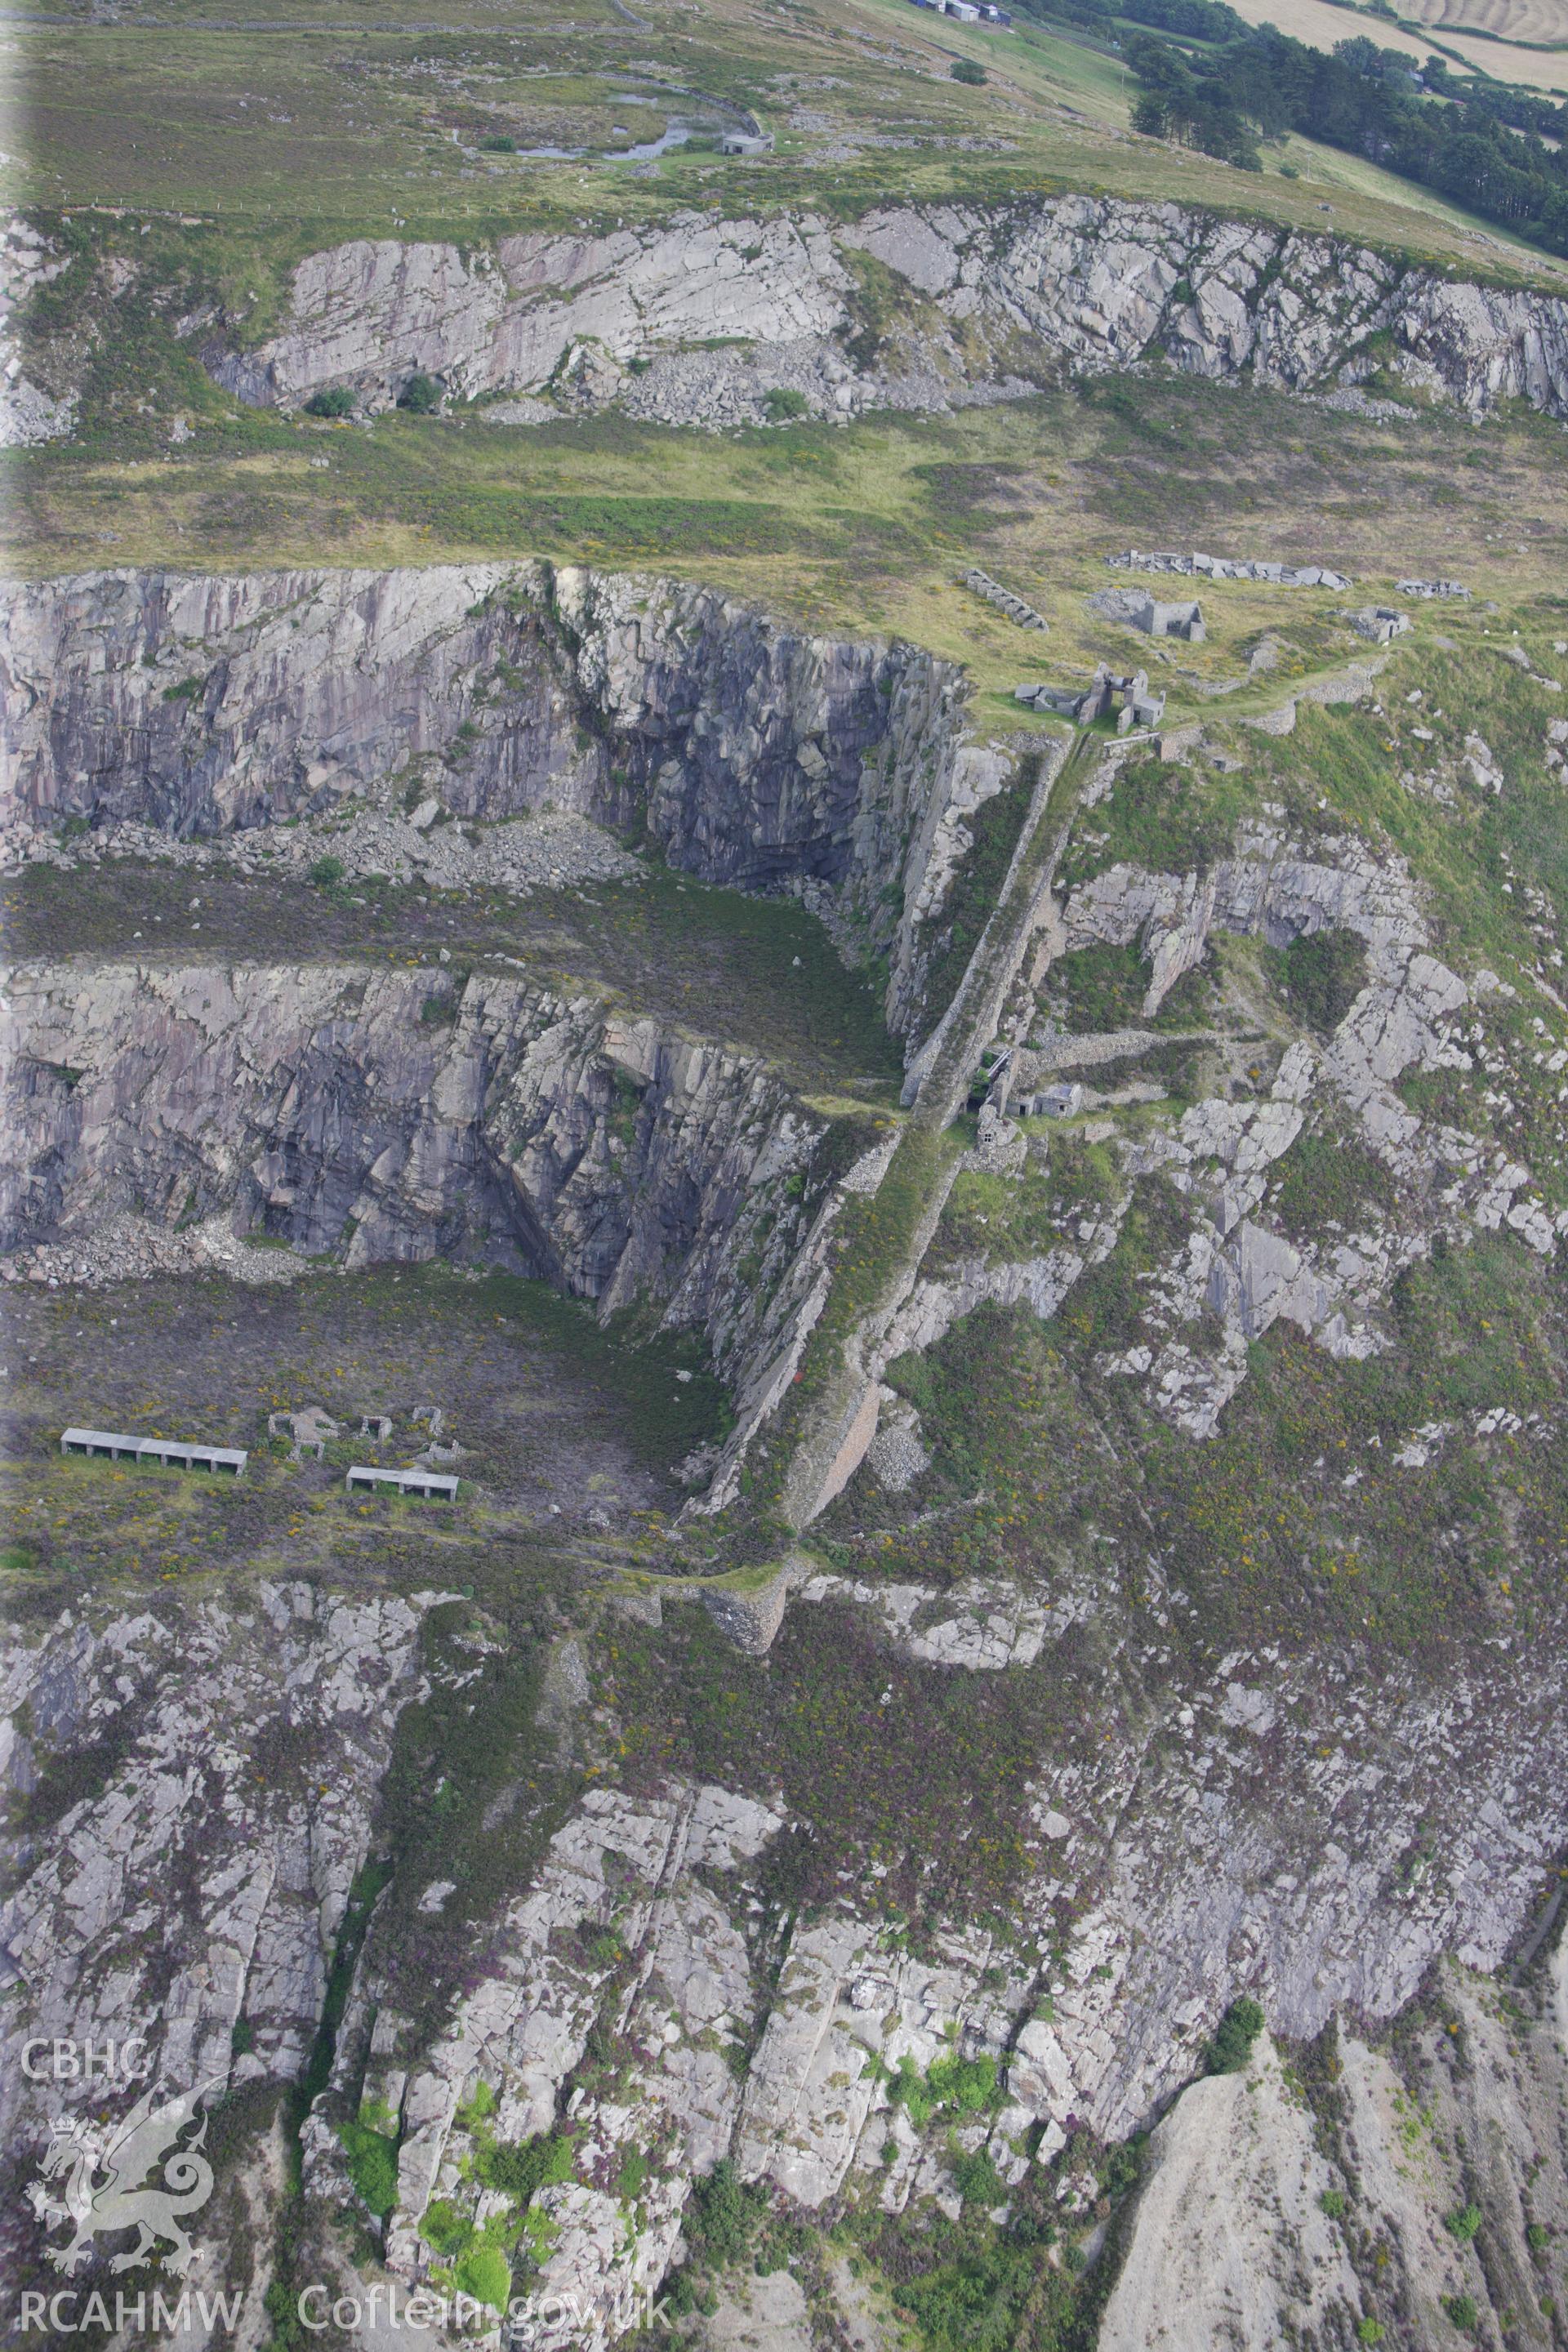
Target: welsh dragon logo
129, 2153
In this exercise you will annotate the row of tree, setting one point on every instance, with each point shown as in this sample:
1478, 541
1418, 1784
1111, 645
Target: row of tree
1479, 143
1211, 80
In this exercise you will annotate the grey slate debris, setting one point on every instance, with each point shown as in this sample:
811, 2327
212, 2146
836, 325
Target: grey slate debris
1222, 567
1004, 600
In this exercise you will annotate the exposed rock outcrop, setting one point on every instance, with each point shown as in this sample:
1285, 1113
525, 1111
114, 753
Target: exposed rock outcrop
1236, 1263
318, 1104
1001, 296
754, 754
624, 1876
1263, 2203
1232, 2245
246, 1869
647, 1929
28, 414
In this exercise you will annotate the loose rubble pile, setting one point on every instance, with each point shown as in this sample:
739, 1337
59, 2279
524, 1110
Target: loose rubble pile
426, 846
1004, 600
1222, 567
126, 1245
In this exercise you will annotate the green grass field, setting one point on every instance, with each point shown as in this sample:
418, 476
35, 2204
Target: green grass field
869, 527
318, 127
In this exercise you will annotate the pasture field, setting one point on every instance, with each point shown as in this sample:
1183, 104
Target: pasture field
1452, 25
321, 127
1530, 21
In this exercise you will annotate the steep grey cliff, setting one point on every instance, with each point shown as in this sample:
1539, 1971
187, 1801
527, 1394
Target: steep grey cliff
200, 704
151, 1693
400, 1117
750, 752
993, 299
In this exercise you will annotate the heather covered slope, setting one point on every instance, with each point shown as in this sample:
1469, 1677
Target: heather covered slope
1191, 1559
978, 1758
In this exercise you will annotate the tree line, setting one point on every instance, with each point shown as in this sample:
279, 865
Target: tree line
1208, 79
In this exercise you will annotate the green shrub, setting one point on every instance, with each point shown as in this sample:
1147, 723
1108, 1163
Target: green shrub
723, 2214
1370, 2331
325, 872
478, 2107
632, 2179
965, 69
976, 2300
1537, 2237
1462, 2310
1333, 2203
1463, 2223
1289, 172
519, 2167
421, 394
1325, 1175
978, 2181
445, 2228
1320, 975
1234, 2034
373, 2165
965, 2085
498, 143
908, 2090
485, 2273
189, 689
336, 401
782, 405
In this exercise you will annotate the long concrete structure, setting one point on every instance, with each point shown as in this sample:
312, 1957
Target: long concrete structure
228, 1461
435, 1484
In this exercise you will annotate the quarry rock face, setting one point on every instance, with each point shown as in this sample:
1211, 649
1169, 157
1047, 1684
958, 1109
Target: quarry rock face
1361, 1840
509, 319
754, 754
315, 1104
208, 704
1067, 284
